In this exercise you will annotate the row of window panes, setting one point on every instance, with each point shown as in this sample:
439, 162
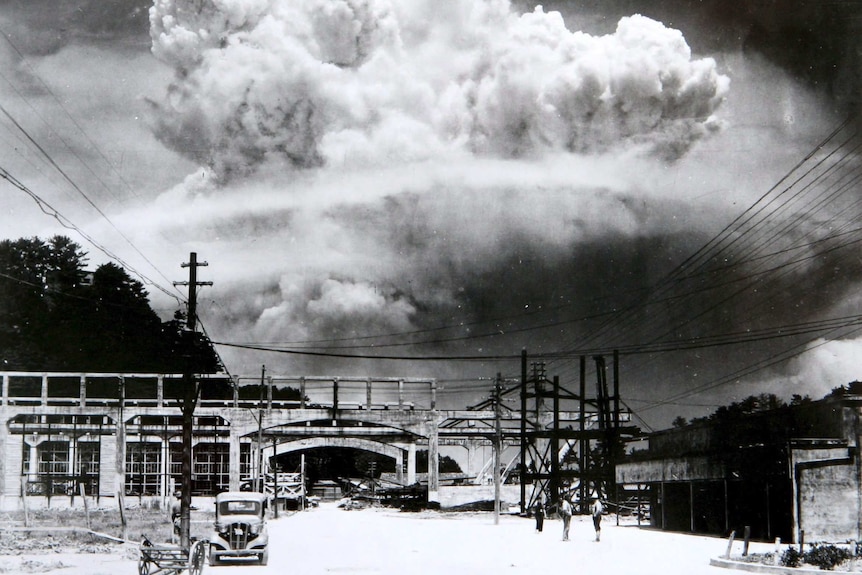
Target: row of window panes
143, 462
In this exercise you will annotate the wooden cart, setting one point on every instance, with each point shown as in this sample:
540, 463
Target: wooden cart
163, 559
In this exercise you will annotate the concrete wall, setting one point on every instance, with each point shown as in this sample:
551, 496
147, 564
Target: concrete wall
455, 495
670, 469
13, 454
827, 494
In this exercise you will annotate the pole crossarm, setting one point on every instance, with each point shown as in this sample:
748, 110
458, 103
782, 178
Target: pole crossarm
190, 396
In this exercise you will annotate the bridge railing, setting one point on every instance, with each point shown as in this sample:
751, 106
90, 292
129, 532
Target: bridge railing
165, 390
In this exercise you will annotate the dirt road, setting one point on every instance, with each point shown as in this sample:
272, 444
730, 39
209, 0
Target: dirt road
328, 540
385, 542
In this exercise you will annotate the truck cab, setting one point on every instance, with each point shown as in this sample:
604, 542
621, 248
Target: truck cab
240, 527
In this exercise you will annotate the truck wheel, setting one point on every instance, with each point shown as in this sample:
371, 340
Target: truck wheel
264, 557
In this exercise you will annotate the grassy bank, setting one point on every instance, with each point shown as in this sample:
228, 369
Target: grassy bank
58, 530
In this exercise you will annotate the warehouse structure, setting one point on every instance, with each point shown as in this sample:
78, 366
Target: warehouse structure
119, 435
792, 472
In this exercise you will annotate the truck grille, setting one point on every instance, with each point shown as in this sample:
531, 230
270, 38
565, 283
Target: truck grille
238, 535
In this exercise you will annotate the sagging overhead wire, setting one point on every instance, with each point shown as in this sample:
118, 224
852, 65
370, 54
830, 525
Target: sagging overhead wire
77, 188
741, 226
365, 356
49, 210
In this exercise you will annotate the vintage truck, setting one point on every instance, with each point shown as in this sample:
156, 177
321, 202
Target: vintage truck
240, 527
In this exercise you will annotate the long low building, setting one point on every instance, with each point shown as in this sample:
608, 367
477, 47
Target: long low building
119, 435
792, 472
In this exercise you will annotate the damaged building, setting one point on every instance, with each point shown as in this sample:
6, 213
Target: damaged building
792, 472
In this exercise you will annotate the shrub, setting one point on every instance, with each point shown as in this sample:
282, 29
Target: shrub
791, 557
827, 556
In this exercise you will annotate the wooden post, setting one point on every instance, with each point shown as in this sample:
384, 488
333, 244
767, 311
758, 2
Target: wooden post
523, 436
729, 544
776, 559
121, 503
663, 514
801, 541
24, 500
498, 446
274, 467
302, 392
691, 506
302, 477
83, 491
746, 539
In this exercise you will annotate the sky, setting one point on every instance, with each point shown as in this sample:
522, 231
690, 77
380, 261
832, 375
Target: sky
446, 184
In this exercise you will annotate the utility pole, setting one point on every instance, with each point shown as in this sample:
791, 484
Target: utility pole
523, 432
190, 395
498, 445
259, 482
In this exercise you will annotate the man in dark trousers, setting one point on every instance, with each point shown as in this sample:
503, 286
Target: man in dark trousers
540, 516
175, 515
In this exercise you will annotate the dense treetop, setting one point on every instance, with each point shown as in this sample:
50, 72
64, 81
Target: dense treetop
56, 316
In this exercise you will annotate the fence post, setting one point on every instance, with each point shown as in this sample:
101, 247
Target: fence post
729, 544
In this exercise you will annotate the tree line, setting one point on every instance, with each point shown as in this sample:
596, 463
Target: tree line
55, 315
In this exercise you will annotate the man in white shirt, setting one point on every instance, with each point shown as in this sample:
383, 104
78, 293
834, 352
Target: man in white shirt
596, 508
565, 512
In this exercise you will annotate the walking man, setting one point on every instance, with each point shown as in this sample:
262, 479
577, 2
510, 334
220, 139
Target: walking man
540, 516
565, 513
596, 509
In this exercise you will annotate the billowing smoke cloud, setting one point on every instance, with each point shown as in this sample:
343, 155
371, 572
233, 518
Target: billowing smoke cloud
314, 83
372, 167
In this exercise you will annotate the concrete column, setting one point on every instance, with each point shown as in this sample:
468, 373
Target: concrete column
44, 389
73, 455
120, 457
4, 450
473, 447
33, 467
433, 464
160, 392
433, 394
234, 477
302, 393
411, 463
399, 468
83, 391
400, 394
107, 475
269, 393
5, 398
368, 393
165, 468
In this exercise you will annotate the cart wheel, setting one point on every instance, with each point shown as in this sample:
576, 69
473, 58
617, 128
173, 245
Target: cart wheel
143, 566
264, 557
197, 557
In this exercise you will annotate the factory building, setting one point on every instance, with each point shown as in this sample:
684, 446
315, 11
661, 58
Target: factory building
793, 472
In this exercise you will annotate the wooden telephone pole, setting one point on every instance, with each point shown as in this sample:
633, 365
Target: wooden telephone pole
498, 445
190, 396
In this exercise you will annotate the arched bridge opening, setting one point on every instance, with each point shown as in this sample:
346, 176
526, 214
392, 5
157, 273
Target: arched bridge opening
338, 466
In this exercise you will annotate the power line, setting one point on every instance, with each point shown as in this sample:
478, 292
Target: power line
49, 210
83, 195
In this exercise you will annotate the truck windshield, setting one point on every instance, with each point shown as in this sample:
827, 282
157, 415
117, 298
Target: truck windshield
239, 508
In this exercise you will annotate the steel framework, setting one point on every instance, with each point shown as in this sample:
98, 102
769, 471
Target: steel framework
570, 452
